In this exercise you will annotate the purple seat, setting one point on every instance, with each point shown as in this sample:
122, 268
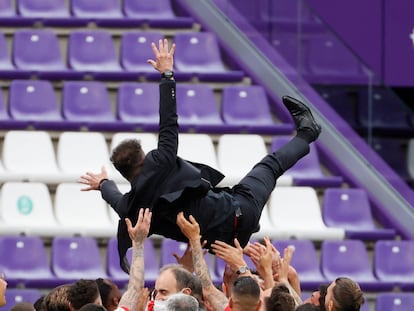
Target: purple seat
9, 16
95, 10
87, 104
138, 105
350, 209
136, 50
394, 262
7, 9
117, 275
38, 51
44, 114
329, 61
389, 113
7, 69
26, 262
350, 258
16, 295
156, 13
306, 262
75, 258
307, 171
247, 108
43, 9
5, 120
199, 55
394, 302
93, 52
198, 109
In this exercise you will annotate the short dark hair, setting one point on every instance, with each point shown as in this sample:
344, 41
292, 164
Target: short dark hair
347, 295
322, 294
92, 307
127, 157
246, 286
57, 299
280, 299
104, 290
83, 292
307, 307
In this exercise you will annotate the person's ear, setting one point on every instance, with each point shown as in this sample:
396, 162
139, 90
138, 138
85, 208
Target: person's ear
186, 291
231, 303
115, 301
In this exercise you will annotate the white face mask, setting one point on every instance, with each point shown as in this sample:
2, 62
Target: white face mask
157, 305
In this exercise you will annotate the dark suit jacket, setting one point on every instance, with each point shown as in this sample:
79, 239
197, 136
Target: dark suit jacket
164, 177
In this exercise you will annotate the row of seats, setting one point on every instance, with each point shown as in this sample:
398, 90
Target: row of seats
88, 104
27, 262
127, 13
93, 53
79, 152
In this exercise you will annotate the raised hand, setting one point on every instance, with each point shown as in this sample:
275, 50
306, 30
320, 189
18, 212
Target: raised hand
140, 231
190, 228
164, 57
93, 180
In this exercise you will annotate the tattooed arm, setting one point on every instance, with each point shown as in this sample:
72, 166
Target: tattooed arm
216, 298
137, 234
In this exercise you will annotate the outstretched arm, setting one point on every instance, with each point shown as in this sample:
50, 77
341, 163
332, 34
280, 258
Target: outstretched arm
191, 230
138, 234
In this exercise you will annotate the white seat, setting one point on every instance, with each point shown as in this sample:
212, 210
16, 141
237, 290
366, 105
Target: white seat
296, 214
81, 152
124, 188
26, 208
82, 212
197, 148
238, 153
267, 228
30, 156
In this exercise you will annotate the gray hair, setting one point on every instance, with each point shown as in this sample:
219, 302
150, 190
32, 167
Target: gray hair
182, 302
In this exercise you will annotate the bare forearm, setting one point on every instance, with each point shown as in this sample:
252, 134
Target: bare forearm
296, 297
269, 282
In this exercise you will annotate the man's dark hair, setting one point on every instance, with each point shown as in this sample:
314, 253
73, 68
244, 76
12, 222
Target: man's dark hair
39, 304
307, 307
280, 299
92, 307
83, 292
322, 294
127, 158
104, 290
57, 299
246, 286
347, 295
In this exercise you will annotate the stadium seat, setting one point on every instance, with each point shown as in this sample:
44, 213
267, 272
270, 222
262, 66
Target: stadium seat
197, 108
26, 208
6, 121
296, 214
267, 227
200, 56
307, 171
394, 262
40, 166
151, 263
305, 260
41, 9
155, 13
247, 108
136, 49
83, 213
16, 295
96, 10
26, 263
394, 302
350, 209
74, 258
86, 104
148, 140
7, 9
350, 258
44, 114
138, 105
204, 153
7, 68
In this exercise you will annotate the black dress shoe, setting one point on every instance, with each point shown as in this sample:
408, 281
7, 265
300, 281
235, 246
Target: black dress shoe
302, 116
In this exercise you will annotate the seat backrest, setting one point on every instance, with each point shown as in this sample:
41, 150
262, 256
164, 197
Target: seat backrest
5, 60
42, 8
204, 153
170, 247
199, 52
76, 257
148, 140
33, 100
394, 302
38, 144
86, 101
138, 102
196, 104
92, 50
394, 260
96, 9
7, 9
16, 295
244, 105
136, 49
347, 208
37, 49
347, 258
154, 9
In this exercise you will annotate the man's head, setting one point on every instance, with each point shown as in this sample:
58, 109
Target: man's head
245, 294
110, 293
92, 307
280, 299
344, 295
83, 292
3, 286
174, 279
307, 307
128, 157
317, 298
57, 299
181, 302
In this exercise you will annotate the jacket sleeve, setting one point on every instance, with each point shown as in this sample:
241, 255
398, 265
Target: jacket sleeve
111, 194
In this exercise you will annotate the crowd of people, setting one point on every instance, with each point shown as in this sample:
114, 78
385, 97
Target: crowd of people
180, 199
